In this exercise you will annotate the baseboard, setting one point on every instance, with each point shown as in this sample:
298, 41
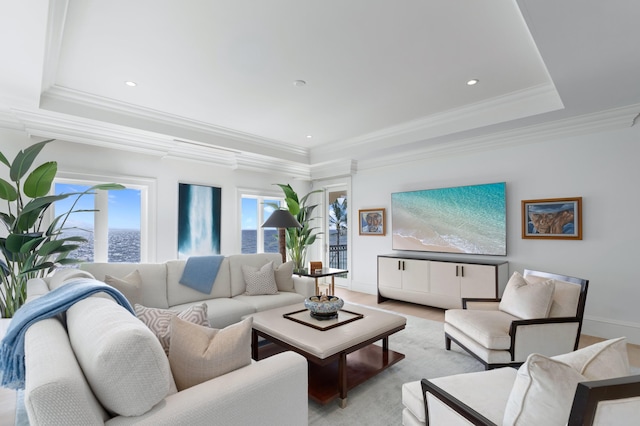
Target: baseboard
608, 329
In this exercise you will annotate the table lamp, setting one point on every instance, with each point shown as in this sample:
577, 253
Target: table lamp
282, 219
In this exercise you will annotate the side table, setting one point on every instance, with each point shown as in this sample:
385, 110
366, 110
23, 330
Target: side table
326, 272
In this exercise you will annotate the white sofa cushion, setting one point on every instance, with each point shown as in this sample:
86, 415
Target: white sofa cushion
153, 291
62, 275
527, 299
178, 294
260, 281
159, 320
128, 285
121, 358
257, 260
542, 392
200, 353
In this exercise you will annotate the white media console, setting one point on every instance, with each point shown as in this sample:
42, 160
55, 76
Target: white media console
439, 282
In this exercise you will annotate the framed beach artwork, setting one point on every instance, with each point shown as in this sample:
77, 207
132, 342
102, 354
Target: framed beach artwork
199, 211
372, 222
553, 218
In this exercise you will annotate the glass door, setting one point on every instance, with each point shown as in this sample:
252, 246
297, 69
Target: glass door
337, 247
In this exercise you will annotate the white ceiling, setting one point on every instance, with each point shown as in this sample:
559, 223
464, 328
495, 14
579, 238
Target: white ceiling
215, 77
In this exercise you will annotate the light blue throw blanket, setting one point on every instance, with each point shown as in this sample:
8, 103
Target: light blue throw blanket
200, 272
46, 306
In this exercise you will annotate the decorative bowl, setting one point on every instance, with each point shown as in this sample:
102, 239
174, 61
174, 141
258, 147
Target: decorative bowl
323, 307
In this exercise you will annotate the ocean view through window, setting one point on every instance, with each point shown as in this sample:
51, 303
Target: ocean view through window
109, 220
256, 239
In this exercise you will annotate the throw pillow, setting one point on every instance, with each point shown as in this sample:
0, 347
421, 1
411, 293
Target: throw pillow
284, 277
159, 320
600, 361
542, 393
199, 353
525, 299
128, 285
259, 281
121, 358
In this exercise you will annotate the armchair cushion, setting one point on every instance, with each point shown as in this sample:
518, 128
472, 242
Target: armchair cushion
527, 299
488, 328
542, 392
600, 361
545, 387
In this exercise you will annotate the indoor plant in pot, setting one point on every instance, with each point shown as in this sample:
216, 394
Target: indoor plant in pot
299, 239
33, 245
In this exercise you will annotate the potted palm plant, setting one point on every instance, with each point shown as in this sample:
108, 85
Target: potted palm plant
299, 239
34, 245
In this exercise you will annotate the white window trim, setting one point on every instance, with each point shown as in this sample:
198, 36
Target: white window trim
148, 198
259, 194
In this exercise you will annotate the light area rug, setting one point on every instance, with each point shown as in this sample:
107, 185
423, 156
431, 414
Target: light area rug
378, 401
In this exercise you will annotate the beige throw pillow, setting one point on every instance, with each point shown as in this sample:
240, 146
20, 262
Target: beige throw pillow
542, 393
129, 285
199, 353
284, 277
159, 320
527, 300
259, 281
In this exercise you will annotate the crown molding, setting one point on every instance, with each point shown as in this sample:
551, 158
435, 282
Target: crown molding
616, 118
334, 169
82, 104
512, 106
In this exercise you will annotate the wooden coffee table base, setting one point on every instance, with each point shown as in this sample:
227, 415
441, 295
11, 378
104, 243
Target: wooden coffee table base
333, 377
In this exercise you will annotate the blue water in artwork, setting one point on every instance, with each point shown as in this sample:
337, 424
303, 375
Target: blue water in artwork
198, 220
465, 219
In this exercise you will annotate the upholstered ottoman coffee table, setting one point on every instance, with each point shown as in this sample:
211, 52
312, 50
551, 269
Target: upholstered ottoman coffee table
341, 352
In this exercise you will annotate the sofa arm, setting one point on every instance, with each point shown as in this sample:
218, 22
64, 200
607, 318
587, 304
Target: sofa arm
305, 286
546, 336
272, 391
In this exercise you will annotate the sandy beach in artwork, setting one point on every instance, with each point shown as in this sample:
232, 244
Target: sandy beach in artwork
410, 243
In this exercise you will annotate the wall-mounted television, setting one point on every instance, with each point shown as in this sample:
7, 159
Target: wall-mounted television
462, 219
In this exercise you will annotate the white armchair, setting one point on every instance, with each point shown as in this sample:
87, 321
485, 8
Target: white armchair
591, 386
539, 312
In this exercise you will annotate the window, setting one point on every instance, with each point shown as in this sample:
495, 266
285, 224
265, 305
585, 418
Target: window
255, 211
115, 231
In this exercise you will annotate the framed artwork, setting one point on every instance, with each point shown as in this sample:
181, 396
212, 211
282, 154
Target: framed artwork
199, 211
554, 218
372, 222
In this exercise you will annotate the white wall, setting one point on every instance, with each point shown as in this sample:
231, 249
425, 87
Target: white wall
78, 158
602, 168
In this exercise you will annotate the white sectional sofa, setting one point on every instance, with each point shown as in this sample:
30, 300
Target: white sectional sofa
227, 302
99, 364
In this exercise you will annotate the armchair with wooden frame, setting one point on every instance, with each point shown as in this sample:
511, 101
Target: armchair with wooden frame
497, 338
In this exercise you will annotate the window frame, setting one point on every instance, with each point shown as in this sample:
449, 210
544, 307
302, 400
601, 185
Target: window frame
261, 196
148, 197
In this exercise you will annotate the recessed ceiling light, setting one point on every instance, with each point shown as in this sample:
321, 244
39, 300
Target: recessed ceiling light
299, 83
473, 82
309, 136
131, 83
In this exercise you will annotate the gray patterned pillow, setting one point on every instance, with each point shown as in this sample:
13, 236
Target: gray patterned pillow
260, 281
159, 320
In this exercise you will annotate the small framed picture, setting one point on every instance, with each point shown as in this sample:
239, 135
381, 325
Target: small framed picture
554, 218
372, 222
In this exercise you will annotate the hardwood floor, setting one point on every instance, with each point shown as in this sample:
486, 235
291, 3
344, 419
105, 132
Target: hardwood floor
7, 397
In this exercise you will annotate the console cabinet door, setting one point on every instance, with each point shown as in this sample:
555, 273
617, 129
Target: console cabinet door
415, 275
478, 281
390, 272
444, 279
